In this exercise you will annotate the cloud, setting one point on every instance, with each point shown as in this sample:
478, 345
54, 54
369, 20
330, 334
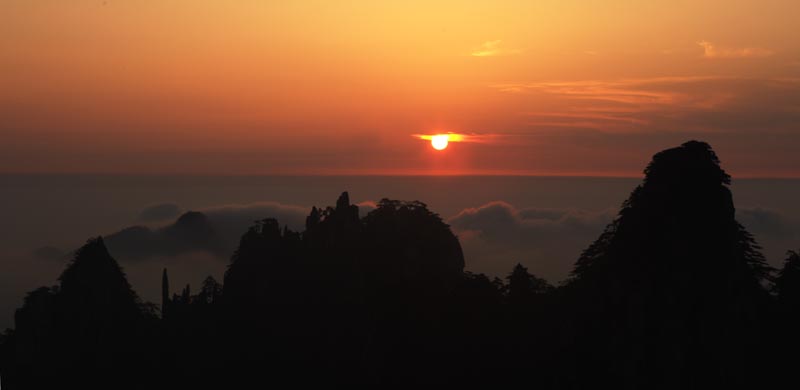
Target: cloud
712, 52
497, 235
192, 231
366, 207
619, 90
774, 231
235, 215
493, 49
624, 91
215, 230
765, 223
159, 212
503, 221
459, 137
707, 104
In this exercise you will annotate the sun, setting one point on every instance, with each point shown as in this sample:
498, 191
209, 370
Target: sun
439, 141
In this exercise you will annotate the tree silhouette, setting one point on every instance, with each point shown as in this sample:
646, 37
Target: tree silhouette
787, 339
523, 287
474, 333
164, 293
411, 263
787, 284
210, 292
411, 249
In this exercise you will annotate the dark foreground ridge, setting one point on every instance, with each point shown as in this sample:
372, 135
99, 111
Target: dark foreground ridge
674, 294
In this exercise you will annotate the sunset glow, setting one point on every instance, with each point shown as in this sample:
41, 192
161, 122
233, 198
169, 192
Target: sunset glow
449, 137
201, 86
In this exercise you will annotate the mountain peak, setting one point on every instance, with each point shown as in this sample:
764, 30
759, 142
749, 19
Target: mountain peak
694, 161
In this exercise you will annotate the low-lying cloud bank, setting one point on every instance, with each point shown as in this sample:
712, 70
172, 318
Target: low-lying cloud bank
215, 230
774, 231
769, 224
160, 212
495, 236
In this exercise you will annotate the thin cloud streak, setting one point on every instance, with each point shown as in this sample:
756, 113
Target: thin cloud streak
459, 137
711, 51
694, 103
493, 49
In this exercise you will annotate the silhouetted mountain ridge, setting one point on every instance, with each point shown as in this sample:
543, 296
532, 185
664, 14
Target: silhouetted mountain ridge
87, 329
192, 231
674, 294
671, 270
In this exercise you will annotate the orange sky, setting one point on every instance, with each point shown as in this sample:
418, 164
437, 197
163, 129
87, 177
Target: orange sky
324, 87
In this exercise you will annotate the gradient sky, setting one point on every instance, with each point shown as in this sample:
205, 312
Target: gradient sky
324, 87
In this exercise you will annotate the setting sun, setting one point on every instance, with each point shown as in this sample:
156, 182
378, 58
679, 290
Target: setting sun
439, 141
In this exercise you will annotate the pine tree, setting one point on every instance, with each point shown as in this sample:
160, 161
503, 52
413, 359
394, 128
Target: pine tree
523, 287
164, 293
787, 284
